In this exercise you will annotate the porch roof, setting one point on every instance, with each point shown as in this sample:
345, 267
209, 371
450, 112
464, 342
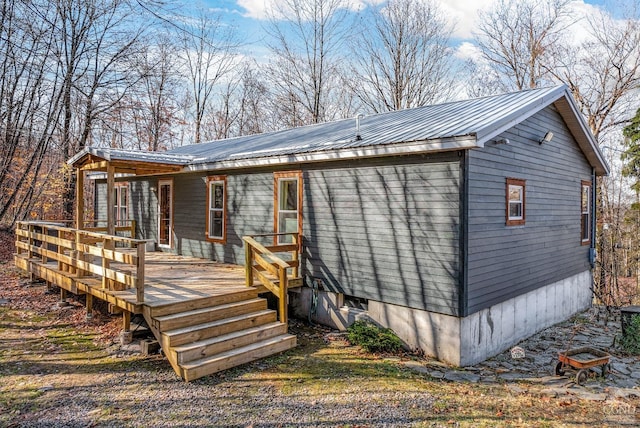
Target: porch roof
128, 161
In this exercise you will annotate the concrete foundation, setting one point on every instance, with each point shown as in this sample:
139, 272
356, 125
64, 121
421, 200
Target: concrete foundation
460, 341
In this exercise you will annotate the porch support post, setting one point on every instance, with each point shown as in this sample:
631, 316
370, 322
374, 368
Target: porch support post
63, 297
89, 306
79, 199
126, 336
111, 201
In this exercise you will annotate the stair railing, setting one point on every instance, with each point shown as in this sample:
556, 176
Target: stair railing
262, 263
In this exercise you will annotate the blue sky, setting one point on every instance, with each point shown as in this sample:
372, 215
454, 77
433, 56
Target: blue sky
248, 16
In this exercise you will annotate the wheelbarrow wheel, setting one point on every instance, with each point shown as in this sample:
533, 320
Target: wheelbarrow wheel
581, 377
559, 370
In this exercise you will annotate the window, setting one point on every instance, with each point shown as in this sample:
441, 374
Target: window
288, 201
217, 206
585, 218
120, 209
165, 213
515, 202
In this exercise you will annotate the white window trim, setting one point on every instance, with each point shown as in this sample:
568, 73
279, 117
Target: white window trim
518, 220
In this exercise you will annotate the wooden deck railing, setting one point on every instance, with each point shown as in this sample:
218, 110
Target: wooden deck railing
83, 253
127, 227
271, 270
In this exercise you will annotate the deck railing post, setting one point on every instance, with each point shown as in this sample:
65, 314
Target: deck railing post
30, 251
107, 244
44, 245
79, 254
132, 230
60, 250
295, 255
31, 229
140, 272
248, 263
282, 303
18, 248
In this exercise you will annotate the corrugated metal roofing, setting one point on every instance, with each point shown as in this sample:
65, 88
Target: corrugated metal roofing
450, 126
110, 154
475, 118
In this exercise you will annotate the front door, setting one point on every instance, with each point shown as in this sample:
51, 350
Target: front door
165, 213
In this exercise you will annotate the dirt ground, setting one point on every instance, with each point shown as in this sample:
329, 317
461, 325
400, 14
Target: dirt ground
58, 370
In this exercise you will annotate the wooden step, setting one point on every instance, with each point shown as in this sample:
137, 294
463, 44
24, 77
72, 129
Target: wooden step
208, 330
235, 357
199, 316
226, 342
205, 302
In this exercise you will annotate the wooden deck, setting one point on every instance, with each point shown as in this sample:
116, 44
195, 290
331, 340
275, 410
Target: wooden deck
169, 279
203, 313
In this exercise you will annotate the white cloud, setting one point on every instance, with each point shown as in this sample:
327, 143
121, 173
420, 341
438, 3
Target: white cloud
259, 9
464, 14
467, 50
256, 9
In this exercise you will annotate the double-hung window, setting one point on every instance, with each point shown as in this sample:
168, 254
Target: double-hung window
515, 201
585, 213
216, 208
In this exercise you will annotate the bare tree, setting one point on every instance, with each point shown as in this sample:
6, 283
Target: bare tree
208, 49
516, 39
254, 116
95, 40
307, 36
402, 57
29, 101
154, 106
603, 73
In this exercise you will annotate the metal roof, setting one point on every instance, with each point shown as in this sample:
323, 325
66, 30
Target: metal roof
110, 154
450, 126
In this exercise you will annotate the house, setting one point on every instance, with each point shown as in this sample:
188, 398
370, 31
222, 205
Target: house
465, 226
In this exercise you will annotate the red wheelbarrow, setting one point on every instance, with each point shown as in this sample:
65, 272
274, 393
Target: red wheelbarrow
583, 360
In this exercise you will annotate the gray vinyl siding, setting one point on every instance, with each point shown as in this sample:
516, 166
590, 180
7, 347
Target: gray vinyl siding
507, 261
143, 206
388, 232
249, 211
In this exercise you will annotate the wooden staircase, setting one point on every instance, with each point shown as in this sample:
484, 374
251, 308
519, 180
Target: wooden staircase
204, 336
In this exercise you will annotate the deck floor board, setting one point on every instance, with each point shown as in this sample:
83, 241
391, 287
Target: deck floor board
169, 279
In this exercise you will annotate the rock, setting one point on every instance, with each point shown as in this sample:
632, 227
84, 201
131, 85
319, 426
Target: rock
4, 302
436, 374
624, 392
590, 396
461, 376
625, 382
46, 388
512, 376
417, 367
